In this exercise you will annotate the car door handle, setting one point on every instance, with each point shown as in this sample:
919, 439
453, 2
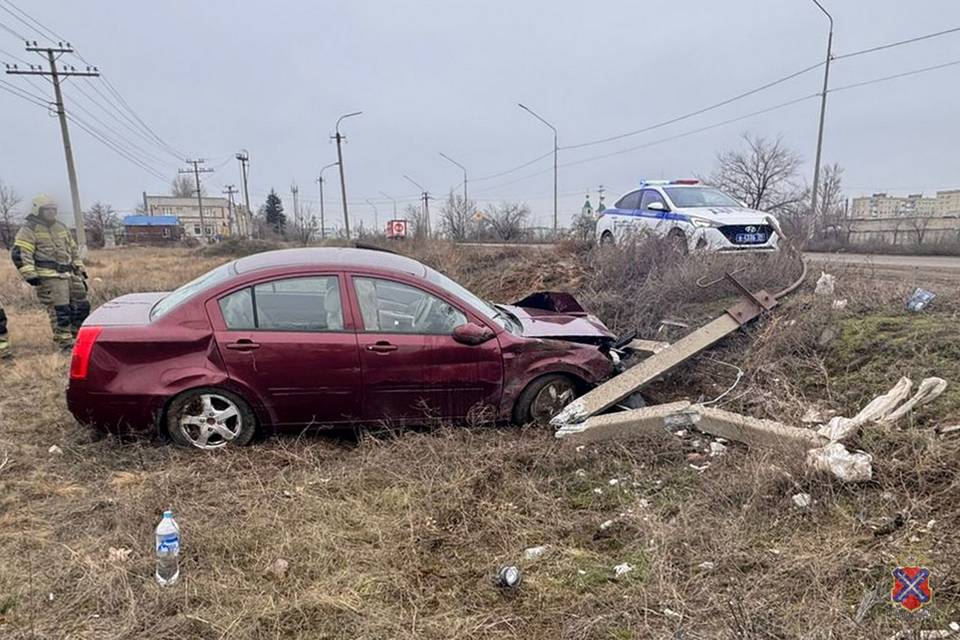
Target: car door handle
243, 345
381, 347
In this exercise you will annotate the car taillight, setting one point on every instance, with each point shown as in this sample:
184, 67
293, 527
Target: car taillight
82, 349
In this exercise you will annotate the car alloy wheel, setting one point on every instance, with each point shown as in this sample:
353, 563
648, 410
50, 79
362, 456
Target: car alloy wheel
210, 421
552, 398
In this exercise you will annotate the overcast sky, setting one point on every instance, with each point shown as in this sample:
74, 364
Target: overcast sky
216, 76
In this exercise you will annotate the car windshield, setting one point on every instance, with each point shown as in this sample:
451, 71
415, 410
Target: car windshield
458, 290
202, 283
686, 197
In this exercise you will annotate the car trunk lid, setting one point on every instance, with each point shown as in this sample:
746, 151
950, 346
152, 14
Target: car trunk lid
131, 309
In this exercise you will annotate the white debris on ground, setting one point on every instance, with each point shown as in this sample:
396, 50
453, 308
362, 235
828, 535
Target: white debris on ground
887, 409
606, 525
826, 284
834, 458
707, 565
622, 569
840, 304
278, 568
118, 555
55, 450
717, 449
533, 553
802, 500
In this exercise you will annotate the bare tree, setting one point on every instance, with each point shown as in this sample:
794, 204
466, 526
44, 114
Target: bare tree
456, 216
100, 220
416, 221
918, 224
185, 186
9, 199
763, 175
831, 217
507, 218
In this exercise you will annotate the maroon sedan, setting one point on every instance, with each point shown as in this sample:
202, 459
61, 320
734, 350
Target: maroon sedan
327, 336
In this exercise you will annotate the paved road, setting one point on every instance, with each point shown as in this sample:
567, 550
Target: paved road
936, 263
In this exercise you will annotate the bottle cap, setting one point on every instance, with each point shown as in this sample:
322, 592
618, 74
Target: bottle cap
168, 513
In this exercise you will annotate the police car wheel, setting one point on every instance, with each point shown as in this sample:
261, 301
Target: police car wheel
210, 418
606, 239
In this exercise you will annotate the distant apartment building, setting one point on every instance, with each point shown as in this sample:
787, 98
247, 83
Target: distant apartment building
881, 205
948, 203
216, 218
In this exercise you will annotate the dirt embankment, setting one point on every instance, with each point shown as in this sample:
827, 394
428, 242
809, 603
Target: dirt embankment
396, 535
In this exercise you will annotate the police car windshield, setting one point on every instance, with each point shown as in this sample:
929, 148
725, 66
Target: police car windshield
470, 298
687, 197
202, 283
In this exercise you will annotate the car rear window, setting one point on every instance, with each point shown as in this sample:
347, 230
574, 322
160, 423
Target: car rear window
187, 291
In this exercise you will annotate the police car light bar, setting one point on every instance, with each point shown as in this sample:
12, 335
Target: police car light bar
654, 182
688, 181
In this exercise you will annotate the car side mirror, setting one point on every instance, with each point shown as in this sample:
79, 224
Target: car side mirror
657, 206
472, 333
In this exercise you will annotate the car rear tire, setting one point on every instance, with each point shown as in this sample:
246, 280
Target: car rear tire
210, 418
544, 398
677, 241
606, 239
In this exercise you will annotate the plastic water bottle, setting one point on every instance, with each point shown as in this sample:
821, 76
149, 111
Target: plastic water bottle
168, 550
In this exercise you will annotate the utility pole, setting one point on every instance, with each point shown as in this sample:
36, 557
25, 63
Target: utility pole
823, 111
394, 203
343, 185
295, 191
323, 222
446, 157
425, 197
196, 171
244, 157
57, 75
555, 155
230, 190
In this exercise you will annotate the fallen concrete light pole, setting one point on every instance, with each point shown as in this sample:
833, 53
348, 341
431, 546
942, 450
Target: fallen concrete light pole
666, 358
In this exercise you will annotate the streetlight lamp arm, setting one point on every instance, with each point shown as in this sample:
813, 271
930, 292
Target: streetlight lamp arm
534, 114
348, 115
825, 12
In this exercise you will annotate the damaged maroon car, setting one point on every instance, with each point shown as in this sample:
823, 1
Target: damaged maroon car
328, 336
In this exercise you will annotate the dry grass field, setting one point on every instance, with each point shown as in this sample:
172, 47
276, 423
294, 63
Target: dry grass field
384, 534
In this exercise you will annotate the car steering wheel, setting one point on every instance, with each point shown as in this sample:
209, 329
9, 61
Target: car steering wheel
422, 311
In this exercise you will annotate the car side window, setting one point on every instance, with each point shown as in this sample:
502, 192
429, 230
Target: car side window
293, 304
650, 196
629, 201
392, 307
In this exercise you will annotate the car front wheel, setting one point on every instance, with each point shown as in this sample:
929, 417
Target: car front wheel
210, 418
606, 239
544, 398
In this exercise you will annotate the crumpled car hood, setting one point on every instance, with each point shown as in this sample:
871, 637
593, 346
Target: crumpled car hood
560, 316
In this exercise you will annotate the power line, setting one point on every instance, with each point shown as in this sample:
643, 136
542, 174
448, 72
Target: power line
897, 44
135, 131
33, 20
116, 149
516, 168
685, 116
20, 93
117, 137
896, 75
15, 34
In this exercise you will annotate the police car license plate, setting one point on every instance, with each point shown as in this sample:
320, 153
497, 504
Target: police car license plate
751, 238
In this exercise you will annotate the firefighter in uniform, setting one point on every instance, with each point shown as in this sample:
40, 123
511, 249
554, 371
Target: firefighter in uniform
4, 343
46, 256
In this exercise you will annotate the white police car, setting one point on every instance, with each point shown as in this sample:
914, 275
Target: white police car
690, 216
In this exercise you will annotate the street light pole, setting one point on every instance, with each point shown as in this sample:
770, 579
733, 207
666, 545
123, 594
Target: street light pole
823, 111
343, 185
426, 204
446, 157
323, 222
555, 150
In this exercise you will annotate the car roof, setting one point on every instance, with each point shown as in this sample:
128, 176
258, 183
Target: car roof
339, 257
